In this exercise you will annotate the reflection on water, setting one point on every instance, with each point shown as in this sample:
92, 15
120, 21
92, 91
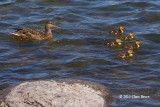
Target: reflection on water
78, 50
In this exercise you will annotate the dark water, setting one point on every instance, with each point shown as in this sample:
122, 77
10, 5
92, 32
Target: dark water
78, 50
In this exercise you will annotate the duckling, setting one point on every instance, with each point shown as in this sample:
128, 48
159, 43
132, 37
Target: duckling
135, 46
117, 42
131, 36
125, 55
117, 31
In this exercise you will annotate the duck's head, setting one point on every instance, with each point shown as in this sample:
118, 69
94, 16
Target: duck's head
50, 24
137, 43
130, 52
119, 41
131, 34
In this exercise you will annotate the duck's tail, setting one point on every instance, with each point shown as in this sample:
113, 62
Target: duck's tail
14, 33
17, 29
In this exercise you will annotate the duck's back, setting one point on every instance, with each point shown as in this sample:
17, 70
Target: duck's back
30, 33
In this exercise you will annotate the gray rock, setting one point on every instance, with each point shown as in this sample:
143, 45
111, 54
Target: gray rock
57, 93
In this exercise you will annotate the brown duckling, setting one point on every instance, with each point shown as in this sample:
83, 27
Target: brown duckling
117, 42
117, 31
131, 36
135, 46
36, 34
125, 55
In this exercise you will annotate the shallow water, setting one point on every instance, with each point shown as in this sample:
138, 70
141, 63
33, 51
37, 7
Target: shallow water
78, 50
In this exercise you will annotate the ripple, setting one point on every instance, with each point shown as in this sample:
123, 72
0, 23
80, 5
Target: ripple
78, 49
6, 2
149, 17
138, 4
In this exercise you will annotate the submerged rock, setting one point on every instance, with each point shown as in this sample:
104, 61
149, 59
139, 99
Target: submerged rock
57, 93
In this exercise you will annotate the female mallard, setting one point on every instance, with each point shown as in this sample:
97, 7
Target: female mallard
36, 34
117, 31
131, 36
125, 55
117, 42
135, 46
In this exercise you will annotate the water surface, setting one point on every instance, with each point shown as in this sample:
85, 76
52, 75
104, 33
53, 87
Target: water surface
78, 50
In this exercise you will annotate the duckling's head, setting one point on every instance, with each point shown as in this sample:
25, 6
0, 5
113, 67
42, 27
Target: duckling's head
137, 43
121, 27
50, 24
130, 52
131, 34
119, 41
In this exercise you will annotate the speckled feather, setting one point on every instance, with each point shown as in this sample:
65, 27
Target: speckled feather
115, 32
35, 34
122, 55
30, 33
131, 46
112, 44
125, 38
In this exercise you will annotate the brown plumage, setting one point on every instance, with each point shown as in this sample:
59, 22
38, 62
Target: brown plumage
117, 42
134, 46
36, 34
131, 36
117, 31
125, 55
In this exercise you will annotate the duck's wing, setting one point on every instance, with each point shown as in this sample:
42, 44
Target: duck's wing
29, 33
35, 34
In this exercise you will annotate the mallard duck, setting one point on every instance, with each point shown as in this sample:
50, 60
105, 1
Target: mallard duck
131, 36
36, 34
117, 42
134, 46
117, 31
125, 55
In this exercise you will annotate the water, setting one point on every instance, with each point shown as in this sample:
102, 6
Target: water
78, 50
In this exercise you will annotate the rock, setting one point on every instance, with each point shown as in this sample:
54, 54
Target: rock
57, 93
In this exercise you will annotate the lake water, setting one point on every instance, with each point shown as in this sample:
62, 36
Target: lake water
78, 50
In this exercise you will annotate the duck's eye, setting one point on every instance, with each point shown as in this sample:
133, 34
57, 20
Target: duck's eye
50, 22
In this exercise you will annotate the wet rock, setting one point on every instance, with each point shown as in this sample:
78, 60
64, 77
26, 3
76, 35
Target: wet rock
57, 93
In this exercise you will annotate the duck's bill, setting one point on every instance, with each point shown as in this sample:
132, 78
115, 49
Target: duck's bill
57, 27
